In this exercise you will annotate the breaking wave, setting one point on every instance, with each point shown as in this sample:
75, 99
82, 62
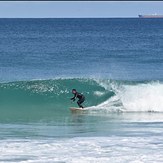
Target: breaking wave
107, 95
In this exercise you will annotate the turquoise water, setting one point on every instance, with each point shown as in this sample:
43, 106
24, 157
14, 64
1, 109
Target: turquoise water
51, 98
115, 63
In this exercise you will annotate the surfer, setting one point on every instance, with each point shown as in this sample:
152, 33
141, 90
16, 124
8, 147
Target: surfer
79, 96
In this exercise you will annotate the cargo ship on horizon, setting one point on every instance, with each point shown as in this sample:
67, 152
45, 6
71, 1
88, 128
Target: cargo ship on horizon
151, 16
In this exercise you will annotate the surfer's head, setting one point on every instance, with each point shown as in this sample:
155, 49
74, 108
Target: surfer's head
73, 91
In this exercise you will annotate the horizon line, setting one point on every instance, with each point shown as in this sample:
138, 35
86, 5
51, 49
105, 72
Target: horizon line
65, 17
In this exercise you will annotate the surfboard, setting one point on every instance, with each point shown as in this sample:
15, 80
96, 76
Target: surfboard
76, 109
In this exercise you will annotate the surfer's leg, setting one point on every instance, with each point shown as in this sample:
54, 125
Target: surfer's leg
79, 102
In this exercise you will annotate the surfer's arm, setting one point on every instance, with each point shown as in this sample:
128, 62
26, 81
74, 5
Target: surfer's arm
73, 98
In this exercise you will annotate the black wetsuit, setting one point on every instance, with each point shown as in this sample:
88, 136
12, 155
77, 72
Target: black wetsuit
80, 97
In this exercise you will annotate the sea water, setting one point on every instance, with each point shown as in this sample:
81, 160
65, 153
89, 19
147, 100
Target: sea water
116, 63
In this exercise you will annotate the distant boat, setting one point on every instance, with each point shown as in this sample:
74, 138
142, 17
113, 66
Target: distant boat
151, 16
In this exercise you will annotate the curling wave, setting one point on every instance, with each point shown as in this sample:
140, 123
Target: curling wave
108, 95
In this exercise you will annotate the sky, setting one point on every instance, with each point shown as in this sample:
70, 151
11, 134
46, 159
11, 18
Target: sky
79, 9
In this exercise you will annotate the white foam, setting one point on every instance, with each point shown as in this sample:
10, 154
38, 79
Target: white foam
83, 150
135, 98
143, 97
99, 93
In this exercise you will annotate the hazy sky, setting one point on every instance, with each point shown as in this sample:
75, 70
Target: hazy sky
52, 9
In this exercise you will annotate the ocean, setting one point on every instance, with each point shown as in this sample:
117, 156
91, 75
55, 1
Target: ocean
116, 63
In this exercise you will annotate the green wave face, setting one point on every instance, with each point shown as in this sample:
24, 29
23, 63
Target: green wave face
48, 96
56, 93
